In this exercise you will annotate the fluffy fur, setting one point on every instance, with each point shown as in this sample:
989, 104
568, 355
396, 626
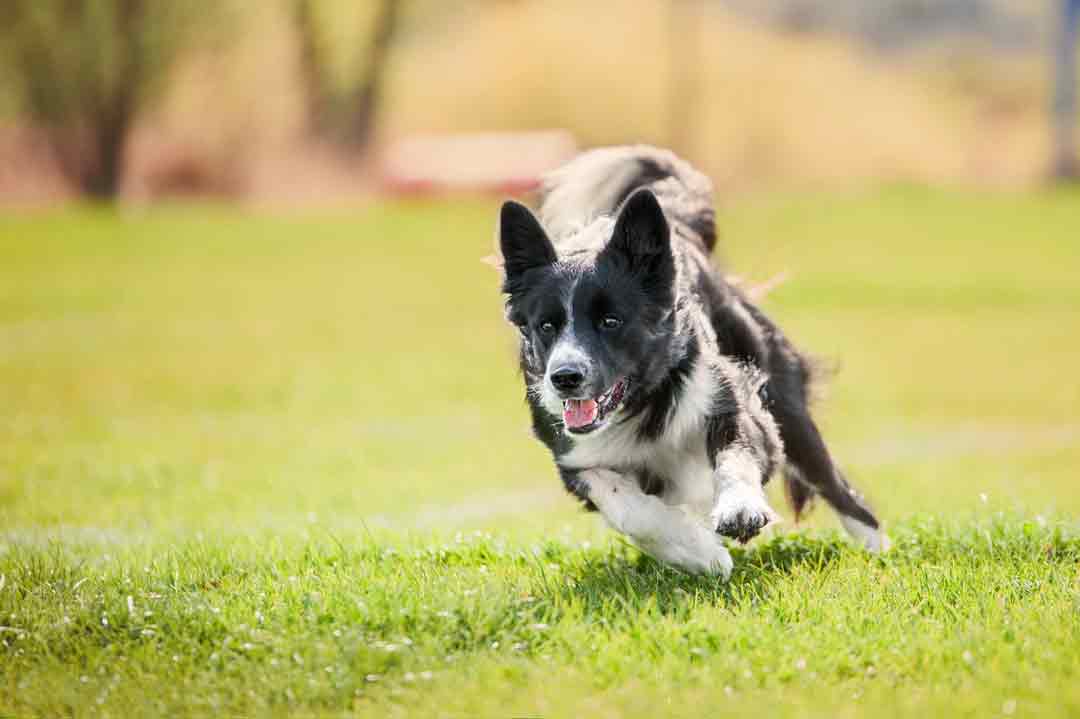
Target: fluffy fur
667, 398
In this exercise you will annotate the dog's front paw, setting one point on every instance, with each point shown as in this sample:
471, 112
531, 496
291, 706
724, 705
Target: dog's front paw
744, 525
742, 514
687, 545
718, 562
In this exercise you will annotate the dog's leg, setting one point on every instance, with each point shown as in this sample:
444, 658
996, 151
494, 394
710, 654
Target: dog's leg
664, 532
807, 452
740, 509
746, 448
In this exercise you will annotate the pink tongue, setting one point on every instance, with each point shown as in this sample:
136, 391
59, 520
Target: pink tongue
579, 412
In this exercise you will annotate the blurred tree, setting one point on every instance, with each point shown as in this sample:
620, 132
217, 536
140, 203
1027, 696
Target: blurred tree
346, 114
1066, 165
367, 98
86, 68
314, 67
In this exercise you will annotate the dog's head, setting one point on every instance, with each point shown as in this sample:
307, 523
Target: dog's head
595, 328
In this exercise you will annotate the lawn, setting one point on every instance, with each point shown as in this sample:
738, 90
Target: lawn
280, 464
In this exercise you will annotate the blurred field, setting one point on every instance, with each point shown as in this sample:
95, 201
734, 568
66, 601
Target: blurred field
765, 108
224, 415
251, 369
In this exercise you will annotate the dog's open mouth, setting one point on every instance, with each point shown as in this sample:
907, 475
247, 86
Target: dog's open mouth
584, 415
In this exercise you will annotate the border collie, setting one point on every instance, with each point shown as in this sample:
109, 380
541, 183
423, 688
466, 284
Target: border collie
667, 398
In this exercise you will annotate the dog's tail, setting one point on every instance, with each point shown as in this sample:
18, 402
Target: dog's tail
596, 182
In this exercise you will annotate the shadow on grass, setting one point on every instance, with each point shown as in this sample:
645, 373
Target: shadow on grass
624, 580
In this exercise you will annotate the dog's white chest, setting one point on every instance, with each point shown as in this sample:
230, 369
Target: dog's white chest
688, 478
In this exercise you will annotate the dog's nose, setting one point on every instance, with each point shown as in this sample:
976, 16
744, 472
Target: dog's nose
567, 378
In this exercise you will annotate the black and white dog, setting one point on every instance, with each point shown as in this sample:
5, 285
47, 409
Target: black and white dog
666, 397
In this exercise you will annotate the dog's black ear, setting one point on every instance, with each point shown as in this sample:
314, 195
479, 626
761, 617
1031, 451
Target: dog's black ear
522, 241
641, 240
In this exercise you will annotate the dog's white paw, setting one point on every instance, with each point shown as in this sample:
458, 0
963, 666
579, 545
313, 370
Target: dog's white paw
716, 561
696, 552
741, 512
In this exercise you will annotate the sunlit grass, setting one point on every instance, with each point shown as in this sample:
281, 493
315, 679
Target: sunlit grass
457, 625
268, 431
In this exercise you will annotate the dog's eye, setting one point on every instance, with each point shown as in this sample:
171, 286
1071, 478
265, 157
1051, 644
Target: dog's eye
610, 322
547, 328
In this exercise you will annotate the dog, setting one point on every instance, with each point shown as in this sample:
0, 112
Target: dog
665, 395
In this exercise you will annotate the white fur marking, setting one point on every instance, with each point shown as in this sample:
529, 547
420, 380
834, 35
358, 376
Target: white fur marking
694, 404
739, 497
735, 468
567, 350
666, 533
585, 188
873, 539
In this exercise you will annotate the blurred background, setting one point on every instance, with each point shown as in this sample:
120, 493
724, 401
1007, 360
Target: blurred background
312, 99
249, 292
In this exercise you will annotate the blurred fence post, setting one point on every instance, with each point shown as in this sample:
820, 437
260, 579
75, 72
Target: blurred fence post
1066, 165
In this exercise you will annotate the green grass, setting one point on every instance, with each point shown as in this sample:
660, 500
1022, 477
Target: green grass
280, 465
